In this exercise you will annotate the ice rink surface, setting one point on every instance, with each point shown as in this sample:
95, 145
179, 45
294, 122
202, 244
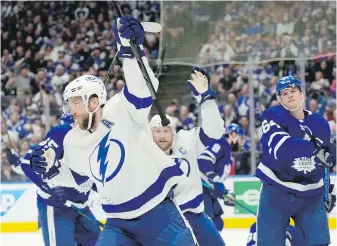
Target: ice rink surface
233, 237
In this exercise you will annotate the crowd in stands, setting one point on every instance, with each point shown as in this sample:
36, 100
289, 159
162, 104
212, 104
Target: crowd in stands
45, 45
256, 31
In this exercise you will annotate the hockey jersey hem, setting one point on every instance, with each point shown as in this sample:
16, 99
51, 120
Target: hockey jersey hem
111, 212
195, 205
267, 175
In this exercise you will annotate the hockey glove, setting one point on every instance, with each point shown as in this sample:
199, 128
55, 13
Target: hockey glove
125, 29
318, 145
331, 203
59, 196
219, 190
38, 162
199, 85
230, 199
327, 156
42, 159
13, 157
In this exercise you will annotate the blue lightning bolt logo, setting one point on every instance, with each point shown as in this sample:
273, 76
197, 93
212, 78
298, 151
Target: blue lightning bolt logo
103, 149
99, 159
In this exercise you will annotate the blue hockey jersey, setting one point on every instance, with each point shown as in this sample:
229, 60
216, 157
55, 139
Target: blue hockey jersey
216, 160
287, 160
77, 187
293, 237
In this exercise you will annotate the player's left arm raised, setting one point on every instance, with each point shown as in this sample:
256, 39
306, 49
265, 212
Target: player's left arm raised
136, 92
212, 125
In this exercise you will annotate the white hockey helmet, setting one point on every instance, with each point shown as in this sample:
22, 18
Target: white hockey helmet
156, 122
86, 86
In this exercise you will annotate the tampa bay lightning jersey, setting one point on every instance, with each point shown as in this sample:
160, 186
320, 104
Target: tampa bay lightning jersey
187, 146
216, 159
132, 174
77, 187
287, 160
293, 237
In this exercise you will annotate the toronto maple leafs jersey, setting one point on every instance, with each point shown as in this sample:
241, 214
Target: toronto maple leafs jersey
132, 174
186, 148
77, 187
287, 160
216, 159
293, 237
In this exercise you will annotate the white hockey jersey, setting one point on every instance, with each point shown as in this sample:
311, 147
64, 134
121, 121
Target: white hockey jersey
131, 173
187, 146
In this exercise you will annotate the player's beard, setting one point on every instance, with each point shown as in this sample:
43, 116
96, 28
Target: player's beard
166, 146
85, 122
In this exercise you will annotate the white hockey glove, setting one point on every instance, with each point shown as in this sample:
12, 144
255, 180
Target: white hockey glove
199, 85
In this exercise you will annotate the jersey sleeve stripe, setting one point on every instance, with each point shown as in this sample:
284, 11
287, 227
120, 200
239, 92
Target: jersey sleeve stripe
205, 140
273, 135
194, 203
278, 145
207, 158
138, 102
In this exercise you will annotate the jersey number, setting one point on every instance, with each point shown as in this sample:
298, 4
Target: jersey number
49, 143
266, 125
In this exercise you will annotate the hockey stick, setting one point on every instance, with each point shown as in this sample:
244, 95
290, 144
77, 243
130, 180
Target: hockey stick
111, 67
164, 120
79, 210
204, 184
326, 184
11, 146
161, 62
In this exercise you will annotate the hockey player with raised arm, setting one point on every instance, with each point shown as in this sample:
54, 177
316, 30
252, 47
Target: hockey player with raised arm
296, 150
111, 145
215, 165
60, 225
184, 147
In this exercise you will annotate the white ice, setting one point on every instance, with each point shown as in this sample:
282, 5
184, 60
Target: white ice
233, 237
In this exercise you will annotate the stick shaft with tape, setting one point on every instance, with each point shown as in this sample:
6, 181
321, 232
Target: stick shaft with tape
204, 184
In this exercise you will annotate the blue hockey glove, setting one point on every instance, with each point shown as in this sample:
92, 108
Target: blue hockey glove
318, 145
199, 85
230, 200
38, 162
331, 203
125, 29
13, 157
59, 196
219, 189
331, 158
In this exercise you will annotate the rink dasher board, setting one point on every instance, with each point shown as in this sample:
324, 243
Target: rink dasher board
18, 207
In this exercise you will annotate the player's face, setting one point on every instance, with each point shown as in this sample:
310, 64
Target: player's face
163, 137
77, 109
291, 97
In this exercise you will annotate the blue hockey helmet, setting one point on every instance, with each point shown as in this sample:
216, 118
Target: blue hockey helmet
287, 82
66, 119
234, 128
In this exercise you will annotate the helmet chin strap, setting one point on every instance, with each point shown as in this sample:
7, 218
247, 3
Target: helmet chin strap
294, 109
91, 114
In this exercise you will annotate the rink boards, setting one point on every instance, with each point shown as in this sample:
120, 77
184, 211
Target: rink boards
18, 208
